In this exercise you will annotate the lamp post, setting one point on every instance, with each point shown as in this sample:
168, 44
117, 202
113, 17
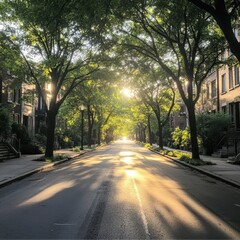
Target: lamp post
82, 110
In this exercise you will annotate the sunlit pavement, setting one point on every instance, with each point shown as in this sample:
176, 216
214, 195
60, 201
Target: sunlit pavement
121, 191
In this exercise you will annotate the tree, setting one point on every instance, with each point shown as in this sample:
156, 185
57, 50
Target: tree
156, 92
226, 14
58, 37
11, 64
100, 98
180, 39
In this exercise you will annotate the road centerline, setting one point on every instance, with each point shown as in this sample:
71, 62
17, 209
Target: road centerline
143, 215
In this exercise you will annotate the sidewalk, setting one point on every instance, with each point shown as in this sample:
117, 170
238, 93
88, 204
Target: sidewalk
14, 169
226, 172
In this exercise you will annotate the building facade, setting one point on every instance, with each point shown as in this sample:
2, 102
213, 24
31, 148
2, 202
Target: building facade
221, 93
19, 99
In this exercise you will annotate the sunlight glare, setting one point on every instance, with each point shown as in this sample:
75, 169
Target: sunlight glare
127, 92
127, 160
131, 173
126, 153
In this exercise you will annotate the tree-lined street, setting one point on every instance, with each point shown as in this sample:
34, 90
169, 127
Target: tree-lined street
119, 191
148, 91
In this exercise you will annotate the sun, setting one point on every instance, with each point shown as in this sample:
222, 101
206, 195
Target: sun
127, 92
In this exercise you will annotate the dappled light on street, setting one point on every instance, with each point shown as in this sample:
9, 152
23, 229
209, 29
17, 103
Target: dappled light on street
47, 193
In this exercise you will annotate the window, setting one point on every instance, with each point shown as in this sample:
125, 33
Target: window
10, 95
236, 75
224, 89
40, 103
16, 118
208, 91
16, 95
213, 89
230, 74
224, 109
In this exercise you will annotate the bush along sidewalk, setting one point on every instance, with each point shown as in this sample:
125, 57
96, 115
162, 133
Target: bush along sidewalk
179, 155
55, 158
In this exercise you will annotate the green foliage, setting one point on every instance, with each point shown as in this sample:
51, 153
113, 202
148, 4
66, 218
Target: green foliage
76, 149
147, 145
154, 148
55, 158
181, 138
164, 151
211, 129
171, 154
194, 162
40, 139
31, 148
177, 137
21, 132
65, 138
59, 157
5, 122
185, 157
185, 138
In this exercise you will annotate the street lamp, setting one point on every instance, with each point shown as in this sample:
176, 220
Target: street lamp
82, 110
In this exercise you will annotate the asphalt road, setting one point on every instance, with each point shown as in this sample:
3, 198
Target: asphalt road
121, 191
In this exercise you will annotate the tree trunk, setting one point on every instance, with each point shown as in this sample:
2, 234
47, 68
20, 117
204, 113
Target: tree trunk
99, 135
149, 130
144, 134
89, 127
1, 86
51, 123
160, 133
193, 131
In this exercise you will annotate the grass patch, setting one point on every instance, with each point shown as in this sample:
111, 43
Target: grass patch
76, 149
55, 158
154, 148
182, 156
140, 143
147, 145
195, 162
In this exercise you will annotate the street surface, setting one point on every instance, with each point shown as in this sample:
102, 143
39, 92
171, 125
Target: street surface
121, 191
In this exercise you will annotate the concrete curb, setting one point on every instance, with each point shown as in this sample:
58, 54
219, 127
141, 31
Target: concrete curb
40, 169
210, 174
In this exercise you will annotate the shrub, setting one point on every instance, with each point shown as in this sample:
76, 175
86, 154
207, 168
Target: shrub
54, 159
76, 149
211, 128
40, 139
156, 148
185, 142
185, 157
171, 154
181, 138
177, 137
64, 140
59, 157
21, 132
5, 122
163, 151
31, 148
147, 145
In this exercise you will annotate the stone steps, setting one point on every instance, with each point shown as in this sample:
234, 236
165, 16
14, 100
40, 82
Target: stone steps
5, 152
